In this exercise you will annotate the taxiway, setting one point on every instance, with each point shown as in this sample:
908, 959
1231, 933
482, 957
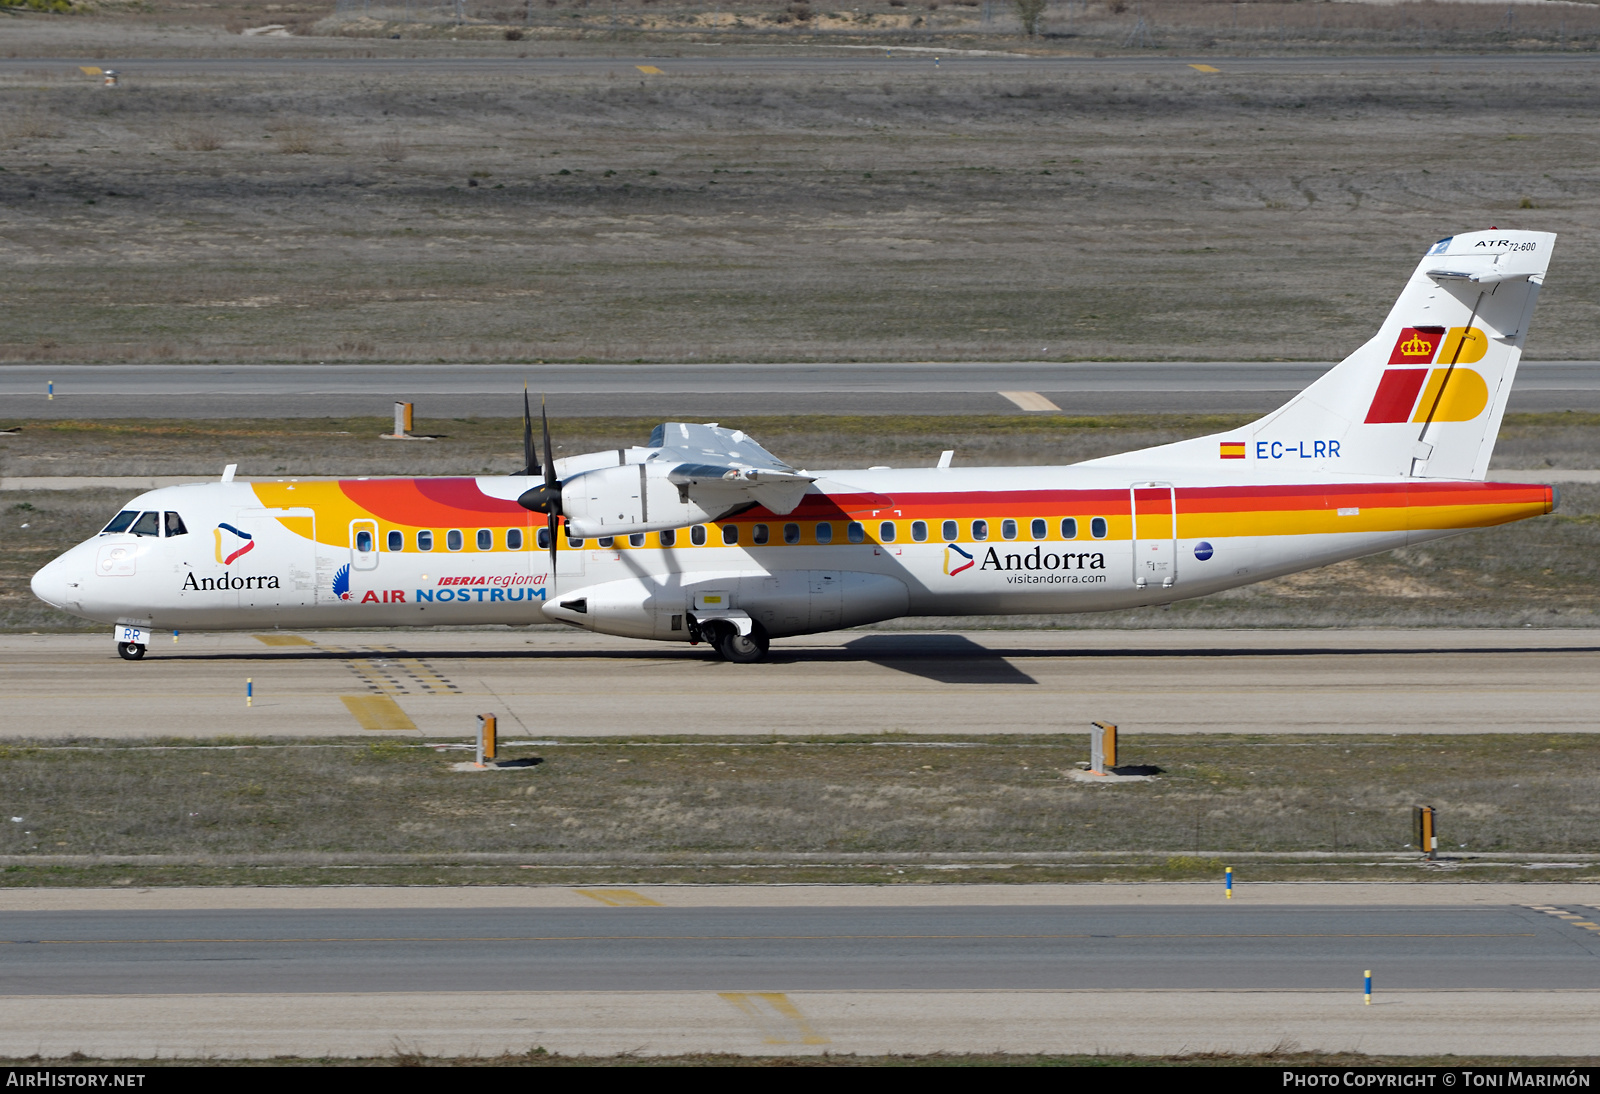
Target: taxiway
434, 683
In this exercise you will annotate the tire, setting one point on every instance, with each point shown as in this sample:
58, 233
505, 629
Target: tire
739, 648
130, 651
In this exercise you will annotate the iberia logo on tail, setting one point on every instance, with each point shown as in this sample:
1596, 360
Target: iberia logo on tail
231, 543
1422, 394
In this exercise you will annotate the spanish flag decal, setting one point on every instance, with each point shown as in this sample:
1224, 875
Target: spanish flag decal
1232, 450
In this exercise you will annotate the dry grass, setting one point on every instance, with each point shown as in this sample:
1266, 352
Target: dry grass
393, 149
618, 801
199, 136
27, 122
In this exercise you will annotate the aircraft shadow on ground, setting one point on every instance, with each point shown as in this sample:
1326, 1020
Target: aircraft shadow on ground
946, 658
950, 658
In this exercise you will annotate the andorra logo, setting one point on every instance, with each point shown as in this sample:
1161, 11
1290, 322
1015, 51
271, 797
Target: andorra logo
231, 543
952, 560
341, 582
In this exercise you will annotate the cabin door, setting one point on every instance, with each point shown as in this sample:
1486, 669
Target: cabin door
1154, 507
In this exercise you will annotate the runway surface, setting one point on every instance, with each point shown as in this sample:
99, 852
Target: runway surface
701, 391
436, 683
1233, 948
804, 975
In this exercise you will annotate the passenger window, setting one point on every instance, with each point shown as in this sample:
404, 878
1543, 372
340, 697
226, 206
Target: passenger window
424, 541
1069, 527
669, 537
1008, 529
513, 539
824, 533
759, 534
948, 530
636, 540
886, 532
1038, 529
120, 522
697, 535
364, 541
791, 533
919, 531
980, 529
575, 544
1097, 528
148, 524
175, 526
397, 540
855, 533
730, 534
453, 540
605, 541
485, 539
542, 538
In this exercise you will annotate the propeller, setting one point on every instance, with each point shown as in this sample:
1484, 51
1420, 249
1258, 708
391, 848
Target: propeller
530, 462
546, 497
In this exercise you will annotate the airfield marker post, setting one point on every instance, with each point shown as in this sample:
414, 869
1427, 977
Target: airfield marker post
1227, 882
486, 738
249, 691
1368, 999
1427, 839
50, 391
1102, 747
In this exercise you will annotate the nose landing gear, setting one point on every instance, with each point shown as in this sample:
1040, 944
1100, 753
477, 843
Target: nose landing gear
130, 651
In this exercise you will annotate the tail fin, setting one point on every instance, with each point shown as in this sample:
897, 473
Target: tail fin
1423, 398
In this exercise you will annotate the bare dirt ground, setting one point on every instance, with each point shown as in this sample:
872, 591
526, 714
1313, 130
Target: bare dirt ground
904, 211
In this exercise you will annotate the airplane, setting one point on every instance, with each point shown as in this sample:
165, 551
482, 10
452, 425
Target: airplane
701, 535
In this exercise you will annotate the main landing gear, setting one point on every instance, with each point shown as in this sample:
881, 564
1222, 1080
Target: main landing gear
741, 649
130, 651
724, 637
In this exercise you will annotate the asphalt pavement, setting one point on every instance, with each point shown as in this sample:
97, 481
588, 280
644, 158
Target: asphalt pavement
1235, 947
699, 391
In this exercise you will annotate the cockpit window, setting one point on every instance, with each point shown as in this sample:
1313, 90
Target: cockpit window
120, 522
148, 524
175, 525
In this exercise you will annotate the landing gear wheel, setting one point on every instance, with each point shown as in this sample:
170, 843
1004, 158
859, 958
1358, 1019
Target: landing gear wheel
130, 651
742, 649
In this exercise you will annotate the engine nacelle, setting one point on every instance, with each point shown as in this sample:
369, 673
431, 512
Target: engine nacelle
638, 497
654, 495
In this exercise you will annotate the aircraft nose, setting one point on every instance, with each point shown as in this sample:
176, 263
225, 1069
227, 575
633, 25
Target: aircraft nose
50, 584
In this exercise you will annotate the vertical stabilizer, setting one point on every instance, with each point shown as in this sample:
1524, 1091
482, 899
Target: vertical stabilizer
1424, 398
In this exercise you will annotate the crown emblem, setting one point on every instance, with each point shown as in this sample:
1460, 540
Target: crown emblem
1416, 347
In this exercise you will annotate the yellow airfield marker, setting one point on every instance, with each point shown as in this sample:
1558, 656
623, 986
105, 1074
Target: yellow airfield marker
90, 70
650, 70
377, 712
619, 898
1204, 68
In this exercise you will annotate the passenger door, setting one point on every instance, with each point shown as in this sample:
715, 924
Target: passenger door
1154, 507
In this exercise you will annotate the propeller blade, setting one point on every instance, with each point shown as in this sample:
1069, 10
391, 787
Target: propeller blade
550, 534
530, 463
549, 460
